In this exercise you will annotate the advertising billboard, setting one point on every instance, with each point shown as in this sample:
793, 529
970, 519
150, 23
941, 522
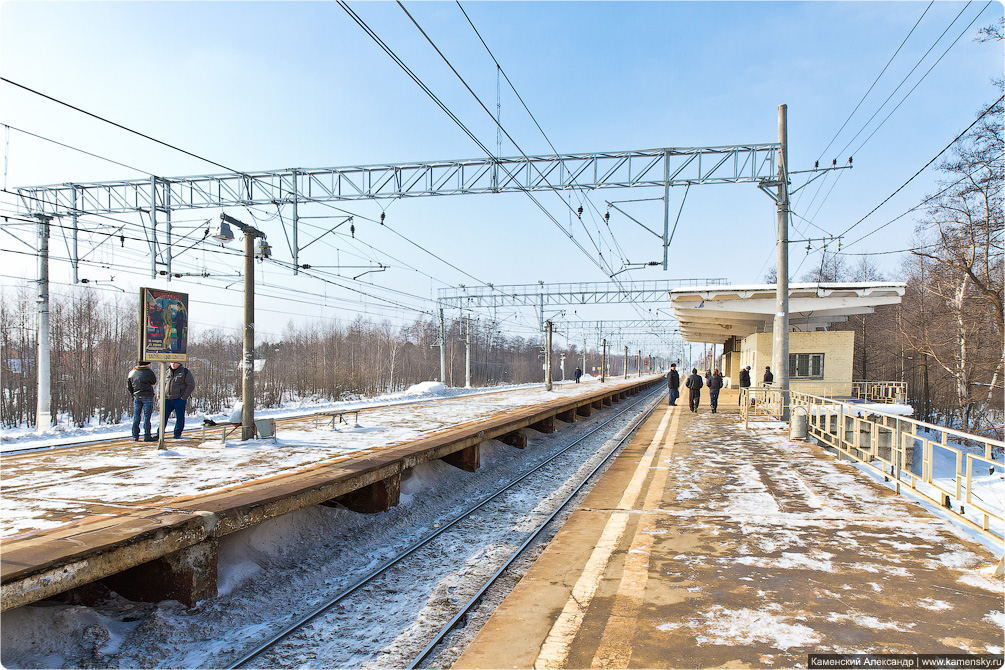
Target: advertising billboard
163, 325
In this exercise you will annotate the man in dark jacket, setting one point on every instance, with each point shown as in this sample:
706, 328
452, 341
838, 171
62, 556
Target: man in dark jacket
180, 385
578, 373
744, 381
673, 381
141, 382
768, 377
694, 384
714, 386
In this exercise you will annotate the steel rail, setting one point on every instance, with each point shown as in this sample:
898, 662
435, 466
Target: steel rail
527, 542
317, 611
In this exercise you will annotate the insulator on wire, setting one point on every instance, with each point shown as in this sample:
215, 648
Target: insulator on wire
579, 211
382, 218
352, 230
607, 217
816, 164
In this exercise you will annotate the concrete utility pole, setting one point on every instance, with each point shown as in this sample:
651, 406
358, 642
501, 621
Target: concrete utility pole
640, 362
626, 362
547, 357
467, 353
248, 363
780, 349
443, 355
603, 360
584, 355
561, 362
43, 410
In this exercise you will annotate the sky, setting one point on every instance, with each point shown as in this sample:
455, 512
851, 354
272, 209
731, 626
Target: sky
276, 85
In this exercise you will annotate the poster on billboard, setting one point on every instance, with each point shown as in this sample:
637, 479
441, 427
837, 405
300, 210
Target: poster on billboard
163, 325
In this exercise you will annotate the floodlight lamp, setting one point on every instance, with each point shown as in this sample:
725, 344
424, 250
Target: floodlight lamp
223, 233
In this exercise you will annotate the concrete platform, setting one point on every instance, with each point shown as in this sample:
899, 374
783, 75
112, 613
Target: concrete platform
707, 546
162, 537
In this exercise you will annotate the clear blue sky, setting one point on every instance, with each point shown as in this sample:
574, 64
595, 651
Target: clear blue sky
271, 85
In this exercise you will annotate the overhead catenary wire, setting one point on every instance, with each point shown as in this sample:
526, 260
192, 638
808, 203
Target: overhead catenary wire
925, 166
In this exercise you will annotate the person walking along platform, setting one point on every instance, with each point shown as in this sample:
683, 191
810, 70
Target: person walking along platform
694, 384
714, 386
673, 381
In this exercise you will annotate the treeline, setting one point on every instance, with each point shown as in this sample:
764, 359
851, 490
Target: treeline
93, 347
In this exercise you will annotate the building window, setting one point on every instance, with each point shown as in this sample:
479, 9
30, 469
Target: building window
806, 366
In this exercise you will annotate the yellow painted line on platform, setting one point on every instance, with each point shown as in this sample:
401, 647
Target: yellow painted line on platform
555, 649
615, 650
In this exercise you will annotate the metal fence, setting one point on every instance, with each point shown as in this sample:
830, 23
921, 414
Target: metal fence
886, 392
961, 472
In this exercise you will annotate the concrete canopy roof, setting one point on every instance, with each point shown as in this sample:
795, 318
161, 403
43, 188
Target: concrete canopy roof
714, 313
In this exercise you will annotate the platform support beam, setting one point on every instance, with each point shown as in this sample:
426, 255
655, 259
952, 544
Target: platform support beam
518, 439
584, 410
544, 425
378, 497
568, 416
467, 459
187, 575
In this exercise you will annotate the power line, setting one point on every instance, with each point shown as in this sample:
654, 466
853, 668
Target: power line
935, 158
962, 33
907, 76
876, 80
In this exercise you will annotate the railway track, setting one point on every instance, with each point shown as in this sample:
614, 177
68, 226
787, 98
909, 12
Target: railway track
315, 636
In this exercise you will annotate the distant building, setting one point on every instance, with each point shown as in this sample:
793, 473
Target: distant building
740, 319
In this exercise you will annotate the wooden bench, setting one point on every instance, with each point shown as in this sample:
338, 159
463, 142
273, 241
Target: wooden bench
337, 415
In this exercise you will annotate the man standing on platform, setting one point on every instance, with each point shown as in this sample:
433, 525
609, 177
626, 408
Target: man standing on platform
714, 386
180, 385
744, 381
141, 383
694, 384
673, 381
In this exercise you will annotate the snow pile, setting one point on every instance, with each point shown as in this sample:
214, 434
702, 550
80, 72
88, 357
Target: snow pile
426, 388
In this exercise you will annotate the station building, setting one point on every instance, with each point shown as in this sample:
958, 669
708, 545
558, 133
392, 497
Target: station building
740, 319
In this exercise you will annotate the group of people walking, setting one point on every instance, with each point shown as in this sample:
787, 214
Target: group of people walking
141, 384
713, 380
